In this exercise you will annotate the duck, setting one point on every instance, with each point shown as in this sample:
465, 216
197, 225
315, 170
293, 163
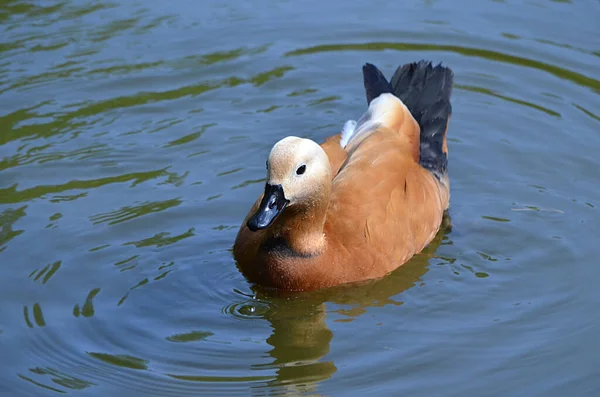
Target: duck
364, 201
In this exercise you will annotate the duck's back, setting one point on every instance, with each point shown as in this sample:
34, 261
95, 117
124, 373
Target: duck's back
389, 197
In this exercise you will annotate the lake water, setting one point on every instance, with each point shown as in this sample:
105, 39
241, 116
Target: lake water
133, 137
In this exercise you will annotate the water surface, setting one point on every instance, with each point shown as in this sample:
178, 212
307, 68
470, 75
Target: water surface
133, 137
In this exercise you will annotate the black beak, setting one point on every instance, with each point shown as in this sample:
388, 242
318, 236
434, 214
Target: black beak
273, 202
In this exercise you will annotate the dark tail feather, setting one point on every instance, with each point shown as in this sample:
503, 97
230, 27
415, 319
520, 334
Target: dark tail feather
375, 82
426, 91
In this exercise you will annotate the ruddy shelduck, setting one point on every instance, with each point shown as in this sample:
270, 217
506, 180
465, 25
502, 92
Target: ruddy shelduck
363, 202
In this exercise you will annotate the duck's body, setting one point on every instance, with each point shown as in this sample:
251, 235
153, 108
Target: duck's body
362, 203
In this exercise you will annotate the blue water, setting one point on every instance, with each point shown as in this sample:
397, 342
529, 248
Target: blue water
133, 137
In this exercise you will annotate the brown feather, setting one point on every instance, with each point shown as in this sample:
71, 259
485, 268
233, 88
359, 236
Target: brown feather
378, 209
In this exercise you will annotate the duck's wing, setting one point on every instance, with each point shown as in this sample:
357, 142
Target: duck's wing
385, 205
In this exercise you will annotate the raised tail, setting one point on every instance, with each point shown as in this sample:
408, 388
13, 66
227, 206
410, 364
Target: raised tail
426, 91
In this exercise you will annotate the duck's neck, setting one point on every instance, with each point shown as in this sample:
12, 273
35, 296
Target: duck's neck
301, 228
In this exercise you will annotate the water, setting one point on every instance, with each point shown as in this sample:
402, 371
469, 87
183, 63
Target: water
133, 137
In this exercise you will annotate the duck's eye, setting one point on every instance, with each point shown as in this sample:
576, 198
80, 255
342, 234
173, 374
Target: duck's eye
301, 170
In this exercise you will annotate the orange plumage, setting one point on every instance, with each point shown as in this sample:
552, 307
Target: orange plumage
362, 203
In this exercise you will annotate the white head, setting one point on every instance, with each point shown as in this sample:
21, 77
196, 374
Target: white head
298, 173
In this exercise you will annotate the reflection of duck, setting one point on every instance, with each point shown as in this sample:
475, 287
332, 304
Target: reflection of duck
301, 338
362, 203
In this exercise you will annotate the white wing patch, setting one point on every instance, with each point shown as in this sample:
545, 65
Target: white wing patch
347, 132
380, 109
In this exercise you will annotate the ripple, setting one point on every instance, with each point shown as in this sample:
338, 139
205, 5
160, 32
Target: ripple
216, 196
201, 152
39, 384
192, 336
71, 368
475, 273
38, 316
162, 239
248, 182
177, 64
323, 100
495, 218
100, 356
272, 74
113, 28
8, 218
587, 112
57, 377
495, 56
190, 137
47, 272
164, 269
125, 214
12, 195
87, 310
306, 91
121, 360
229, 172
211, 379
128, 264
508, 99
247, 310
100, 247
60, 198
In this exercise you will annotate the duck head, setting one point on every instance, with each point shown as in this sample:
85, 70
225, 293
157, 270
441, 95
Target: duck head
298, 174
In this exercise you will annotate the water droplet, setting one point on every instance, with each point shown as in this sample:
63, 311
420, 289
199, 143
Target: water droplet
247, 310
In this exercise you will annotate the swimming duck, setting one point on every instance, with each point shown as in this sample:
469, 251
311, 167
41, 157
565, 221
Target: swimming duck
363, 202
